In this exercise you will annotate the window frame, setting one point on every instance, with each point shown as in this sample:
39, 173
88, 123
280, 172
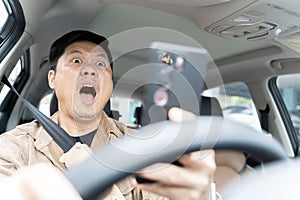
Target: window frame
11, 98
13, 27
285, 116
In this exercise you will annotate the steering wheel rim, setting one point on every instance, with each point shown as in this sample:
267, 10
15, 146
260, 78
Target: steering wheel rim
110, 163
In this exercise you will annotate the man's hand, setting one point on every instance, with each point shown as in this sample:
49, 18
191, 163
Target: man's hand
75, 155
39, 181
192, 180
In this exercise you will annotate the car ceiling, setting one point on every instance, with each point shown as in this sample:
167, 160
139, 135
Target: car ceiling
48, 20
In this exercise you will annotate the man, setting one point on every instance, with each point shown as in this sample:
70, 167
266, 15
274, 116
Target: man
81, 75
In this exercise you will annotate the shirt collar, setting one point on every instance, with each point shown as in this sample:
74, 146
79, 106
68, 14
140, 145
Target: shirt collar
109, 129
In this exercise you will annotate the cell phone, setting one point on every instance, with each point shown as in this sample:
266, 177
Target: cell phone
177, 79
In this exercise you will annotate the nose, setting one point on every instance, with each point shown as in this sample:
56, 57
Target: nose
87, 70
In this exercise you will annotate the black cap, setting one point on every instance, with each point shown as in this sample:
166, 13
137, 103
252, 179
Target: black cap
58, 47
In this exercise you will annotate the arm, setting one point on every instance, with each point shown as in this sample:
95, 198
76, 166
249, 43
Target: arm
12, 154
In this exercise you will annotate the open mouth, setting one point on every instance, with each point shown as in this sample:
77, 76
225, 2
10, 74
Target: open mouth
87, 94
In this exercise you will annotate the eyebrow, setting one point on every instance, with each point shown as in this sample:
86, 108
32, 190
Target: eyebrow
102, 55
78, 51
75, 51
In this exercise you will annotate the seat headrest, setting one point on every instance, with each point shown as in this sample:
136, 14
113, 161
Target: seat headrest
210, 106
54, 106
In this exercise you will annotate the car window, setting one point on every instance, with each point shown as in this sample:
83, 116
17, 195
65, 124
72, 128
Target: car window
12, 24
13, 76
4, 15
289, 87
126, 108
44, 105
17, 77
236, 103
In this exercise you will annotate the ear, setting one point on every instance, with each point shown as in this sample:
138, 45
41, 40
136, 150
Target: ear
51, 79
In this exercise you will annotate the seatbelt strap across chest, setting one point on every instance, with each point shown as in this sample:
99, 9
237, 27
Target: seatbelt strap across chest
59, 135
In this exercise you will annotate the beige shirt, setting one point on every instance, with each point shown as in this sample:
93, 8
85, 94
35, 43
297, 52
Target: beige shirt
29, 143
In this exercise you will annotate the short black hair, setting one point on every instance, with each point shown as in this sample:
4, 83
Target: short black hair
58, 47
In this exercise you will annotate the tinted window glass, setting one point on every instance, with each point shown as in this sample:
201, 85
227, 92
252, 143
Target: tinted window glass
126, 108
13, 76
236, 103
3, 14
44, 105
289, 87
12, 24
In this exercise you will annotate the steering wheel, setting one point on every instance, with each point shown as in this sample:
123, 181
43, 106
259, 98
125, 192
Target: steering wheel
165, 142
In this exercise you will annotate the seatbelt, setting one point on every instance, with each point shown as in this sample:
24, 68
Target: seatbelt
59, 135
264, 120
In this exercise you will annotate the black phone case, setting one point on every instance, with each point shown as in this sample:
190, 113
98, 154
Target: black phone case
177, 83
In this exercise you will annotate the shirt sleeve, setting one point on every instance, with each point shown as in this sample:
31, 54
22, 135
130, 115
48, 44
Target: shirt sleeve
11, 156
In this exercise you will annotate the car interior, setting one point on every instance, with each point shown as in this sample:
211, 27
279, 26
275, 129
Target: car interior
252, 77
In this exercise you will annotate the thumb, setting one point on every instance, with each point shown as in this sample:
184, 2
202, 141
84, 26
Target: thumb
178, 115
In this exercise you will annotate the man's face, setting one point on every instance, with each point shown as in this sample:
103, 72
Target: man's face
82, 81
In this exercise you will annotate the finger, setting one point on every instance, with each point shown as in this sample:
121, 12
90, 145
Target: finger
177, 176
199, 160
177, 193
178, 115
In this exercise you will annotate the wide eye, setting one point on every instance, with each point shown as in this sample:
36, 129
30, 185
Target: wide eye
77, 60
100, 64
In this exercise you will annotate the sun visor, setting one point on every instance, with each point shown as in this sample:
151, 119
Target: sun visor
291, 40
